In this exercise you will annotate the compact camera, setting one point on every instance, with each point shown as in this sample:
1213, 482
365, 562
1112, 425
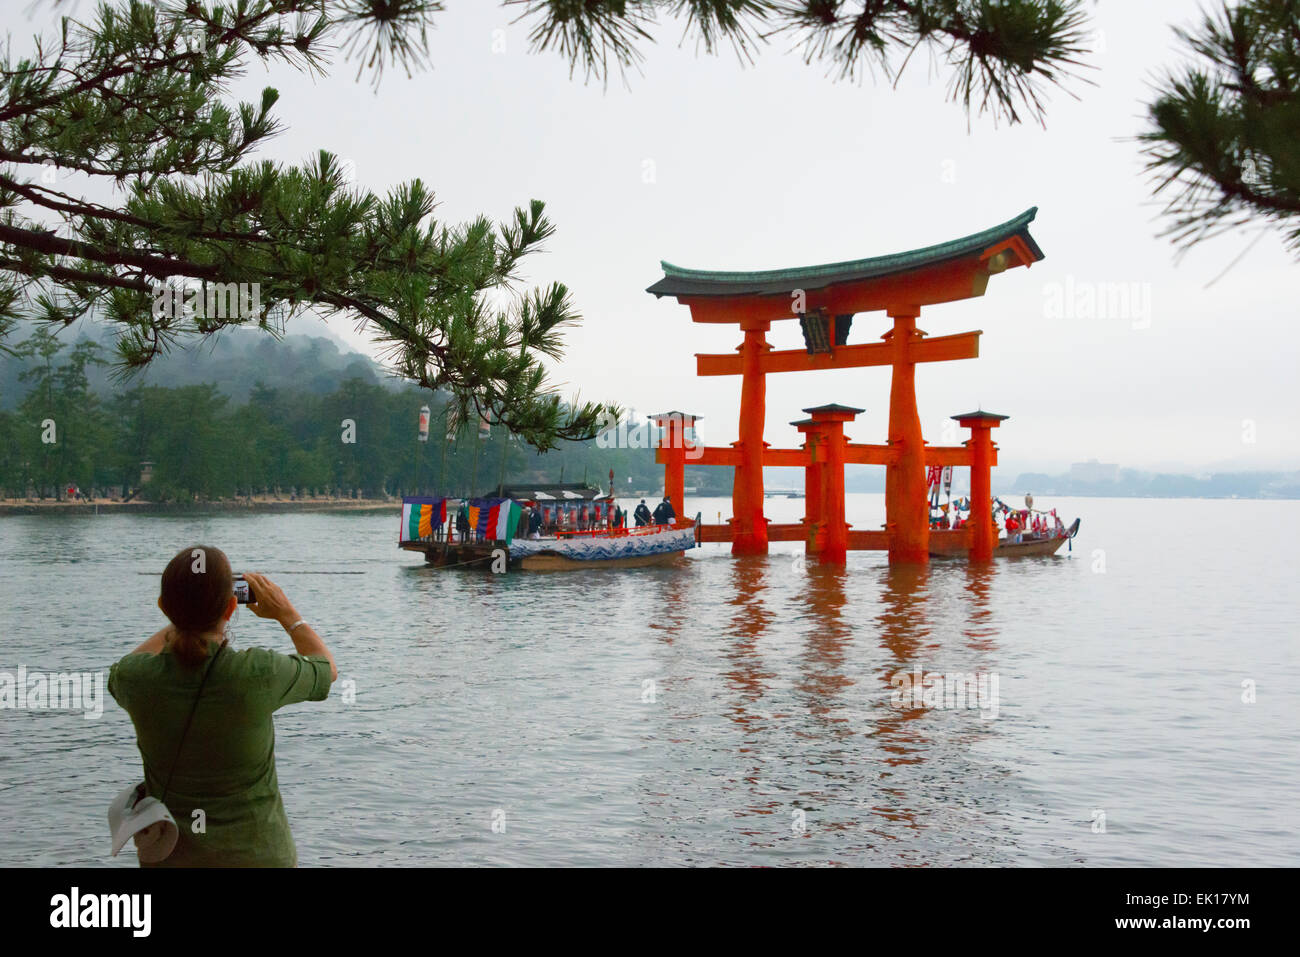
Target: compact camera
243, 591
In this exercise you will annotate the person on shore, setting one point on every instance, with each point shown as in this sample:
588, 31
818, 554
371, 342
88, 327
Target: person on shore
642, 515
218, 766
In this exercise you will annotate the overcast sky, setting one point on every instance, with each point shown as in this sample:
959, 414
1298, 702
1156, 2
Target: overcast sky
708, 164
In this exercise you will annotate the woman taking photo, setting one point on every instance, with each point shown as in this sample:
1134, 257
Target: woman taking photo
202, 713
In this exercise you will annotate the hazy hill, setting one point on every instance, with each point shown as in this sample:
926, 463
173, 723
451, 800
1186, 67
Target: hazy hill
234, 360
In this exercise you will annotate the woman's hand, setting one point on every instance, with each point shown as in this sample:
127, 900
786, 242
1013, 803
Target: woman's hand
271, 600
272, 603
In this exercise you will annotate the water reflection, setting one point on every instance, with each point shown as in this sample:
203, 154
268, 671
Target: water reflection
904, 618
904, 627
749, 618
823, 678
673, 612
750, 578
980, 628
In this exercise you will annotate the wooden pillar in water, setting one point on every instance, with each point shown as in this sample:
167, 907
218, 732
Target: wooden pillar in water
672, 455
813, 485
827, 429
749, 526
906, 512
983, 532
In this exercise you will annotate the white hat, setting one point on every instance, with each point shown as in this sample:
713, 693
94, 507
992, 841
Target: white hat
134, 814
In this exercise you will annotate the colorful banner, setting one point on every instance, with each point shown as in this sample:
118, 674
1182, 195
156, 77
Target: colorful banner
494, 519
503, 519
421, 516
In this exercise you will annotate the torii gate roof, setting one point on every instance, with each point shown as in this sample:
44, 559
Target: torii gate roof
972, 253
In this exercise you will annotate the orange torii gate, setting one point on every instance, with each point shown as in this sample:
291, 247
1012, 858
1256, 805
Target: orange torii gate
825, 300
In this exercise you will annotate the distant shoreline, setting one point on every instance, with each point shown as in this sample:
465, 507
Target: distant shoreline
51, 507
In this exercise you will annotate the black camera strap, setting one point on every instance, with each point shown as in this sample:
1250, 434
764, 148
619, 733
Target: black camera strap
188, 721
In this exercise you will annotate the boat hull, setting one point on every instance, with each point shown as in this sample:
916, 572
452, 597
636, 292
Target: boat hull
603, 551
1024, 549
959, 549
634, 550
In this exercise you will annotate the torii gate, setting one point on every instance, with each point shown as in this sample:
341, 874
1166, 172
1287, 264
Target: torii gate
825, 299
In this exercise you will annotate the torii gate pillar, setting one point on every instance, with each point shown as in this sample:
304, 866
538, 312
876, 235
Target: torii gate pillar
828, 535
672, 455
983, 533
906, 514
813, 485
750, 528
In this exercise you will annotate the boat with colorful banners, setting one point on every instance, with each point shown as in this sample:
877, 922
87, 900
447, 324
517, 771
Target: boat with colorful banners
537, 528
1025, 531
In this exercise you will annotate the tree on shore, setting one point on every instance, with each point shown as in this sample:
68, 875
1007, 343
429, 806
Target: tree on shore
202, 237
62, 414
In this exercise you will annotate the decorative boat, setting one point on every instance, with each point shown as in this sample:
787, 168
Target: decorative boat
1027, 532
578, 530
1026, 544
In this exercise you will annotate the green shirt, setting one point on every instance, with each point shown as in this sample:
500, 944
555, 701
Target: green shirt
227, 765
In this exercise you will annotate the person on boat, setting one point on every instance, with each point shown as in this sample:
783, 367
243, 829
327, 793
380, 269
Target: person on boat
462, 521
535, 522
215, 751
664, 512
642, 515
525, 519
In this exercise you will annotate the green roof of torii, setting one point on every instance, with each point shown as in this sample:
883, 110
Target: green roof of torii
703, 282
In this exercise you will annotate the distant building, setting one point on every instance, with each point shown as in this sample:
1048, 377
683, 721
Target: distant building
1093, 471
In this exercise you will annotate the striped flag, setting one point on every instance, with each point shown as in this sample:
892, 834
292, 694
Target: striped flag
495, 519
420, 516
503, 519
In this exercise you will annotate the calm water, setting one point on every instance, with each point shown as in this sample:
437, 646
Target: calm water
700, 714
